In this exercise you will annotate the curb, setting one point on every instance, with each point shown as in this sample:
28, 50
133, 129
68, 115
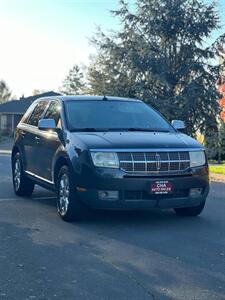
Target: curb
5, 152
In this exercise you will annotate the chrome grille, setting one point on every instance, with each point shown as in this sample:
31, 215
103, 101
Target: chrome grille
154, 162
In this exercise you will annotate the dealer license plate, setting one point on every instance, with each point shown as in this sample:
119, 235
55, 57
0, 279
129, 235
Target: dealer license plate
161, 187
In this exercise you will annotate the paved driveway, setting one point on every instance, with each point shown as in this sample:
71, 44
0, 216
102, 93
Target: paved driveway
111, 255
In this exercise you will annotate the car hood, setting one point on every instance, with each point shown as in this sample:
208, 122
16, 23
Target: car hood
134, 140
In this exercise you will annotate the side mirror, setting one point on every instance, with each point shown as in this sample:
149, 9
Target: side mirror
178, 125
46, 124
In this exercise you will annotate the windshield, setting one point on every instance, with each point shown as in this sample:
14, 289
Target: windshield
113, 115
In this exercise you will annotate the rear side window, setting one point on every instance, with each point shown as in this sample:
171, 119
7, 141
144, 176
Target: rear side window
53, 112
27, 114
37, 113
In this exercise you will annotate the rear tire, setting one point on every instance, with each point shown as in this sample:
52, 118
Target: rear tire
23, 186
190, 211
68, 204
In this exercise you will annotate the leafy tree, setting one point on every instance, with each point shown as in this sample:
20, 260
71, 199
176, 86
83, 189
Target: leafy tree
4, 92
159, 55
74, 83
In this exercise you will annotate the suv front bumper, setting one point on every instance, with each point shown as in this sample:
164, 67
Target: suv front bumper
134, 191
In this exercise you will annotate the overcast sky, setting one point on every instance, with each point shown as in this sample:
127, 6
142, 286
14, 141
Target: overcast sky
42, 39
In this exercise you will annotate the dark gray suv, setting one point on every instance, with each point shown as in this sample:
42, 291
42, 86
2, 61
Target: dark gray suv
108, 153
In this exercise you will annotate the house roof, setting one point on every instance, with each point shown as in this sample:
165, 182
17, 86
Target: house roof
21, 105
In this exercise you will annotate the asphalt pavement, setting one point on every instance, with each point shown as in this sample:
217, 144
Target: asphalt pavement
110, 255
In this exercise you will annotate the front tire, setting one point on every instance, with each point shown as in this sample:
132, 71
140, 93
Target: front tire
68, 205
190, 211
23, 186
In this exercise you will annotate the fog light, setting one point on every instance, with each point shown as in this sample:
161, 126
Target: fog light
108, 195
196, 192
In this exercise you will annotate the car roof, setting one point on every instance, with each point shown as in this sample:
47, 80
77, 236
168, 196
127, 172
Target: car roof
88, 98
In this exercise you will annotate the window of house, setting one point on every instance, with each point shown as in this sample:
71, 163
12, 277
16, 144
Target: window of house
3, 122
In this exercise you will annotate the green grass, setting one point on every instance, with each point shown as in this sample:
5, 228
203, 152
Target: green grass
217, 169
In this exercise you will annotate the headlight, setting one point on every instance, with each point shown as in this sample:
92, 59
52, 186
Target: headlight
105, 159
197, 158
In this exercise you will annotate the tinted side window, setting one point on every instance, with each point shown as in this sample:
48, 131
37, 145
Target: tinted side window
37, 113
27, 114
53, 112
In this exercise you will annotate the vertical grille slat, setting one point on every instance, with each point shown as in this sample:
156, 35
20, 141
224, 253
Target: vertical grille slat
179, 160
154, 162
132, 162
146, 166
168, 161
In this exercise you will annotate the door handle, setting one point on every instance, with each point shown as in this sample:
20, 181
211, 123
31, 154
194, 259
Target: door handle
23, 133
37, 139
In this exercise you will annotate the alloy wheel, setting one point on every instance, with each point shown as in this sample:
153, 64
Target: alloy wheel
17, 174
64, 193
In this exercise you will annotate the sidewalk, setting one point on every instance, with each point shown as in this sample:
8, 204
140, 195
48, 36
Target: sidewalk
6, 145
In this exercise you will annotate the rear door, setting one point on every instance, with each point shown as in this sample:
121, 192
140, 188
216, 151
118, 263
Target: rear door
22, 133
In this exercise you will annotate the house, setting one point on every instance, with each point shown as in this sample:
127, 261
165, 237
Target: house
12, 111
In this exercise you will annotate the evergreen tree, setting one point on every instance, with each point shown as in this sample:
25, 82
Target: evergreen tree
159, 55
74, 83
4, 92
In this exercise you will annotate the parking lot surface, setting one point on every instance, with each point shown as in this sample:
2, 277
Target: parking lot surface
110, 255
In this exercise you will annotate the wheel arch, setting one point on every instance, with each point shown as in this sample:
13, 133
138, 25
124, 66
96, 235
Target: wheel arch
14, 151
61, 161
